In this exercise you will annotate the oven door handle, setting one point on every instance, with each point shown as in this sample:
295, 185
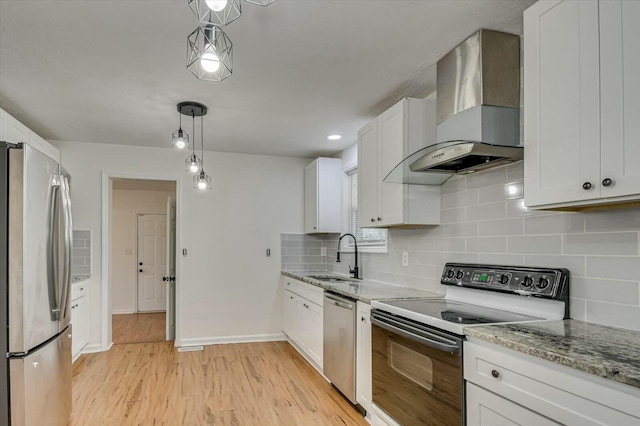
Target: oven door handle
431, 341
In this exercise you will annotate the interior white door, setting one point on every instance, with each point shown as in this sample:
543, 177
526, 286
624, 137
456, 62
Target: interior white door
171, 269
152, 244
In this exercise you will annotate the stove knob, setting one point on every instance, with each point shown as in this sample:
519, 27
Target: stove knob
460, 274
504, 279
543, 283
450, 273
527, 282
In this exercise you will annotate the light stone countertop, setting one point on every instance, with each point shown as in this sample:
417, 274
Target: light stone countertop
363, 290
609, 352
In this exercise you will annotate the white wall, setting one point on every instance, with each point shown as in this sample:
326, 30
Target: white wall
227, 286
127, 204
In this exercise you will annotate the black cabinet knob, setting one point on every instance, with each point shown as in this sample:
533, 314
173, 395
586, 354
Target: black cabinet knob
495, 374
607, 182
140, 264
373, 220
587, 186
379, 219
164, 278
140, 270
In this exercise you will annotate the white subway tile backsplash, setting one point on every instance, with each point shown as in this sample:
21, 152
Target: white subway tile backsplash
612, 291
535, 244
454, 184
575, 264
615, 267
613, 220
459, 199
421, 245
486, 211
501, 259
561, 223
449, 244
452, 215
81, 256
462, 229
429, 258
515, 171
613, 314
487, 244
578, 309
618, 243
512, 226
487, 178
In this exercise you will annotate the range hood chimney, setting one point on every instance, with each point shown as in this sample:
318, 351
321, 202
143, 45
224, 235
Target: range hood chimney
478, 114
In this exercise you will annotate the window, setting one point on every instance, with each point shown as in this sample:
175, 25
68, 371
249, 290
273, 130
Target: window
369, 239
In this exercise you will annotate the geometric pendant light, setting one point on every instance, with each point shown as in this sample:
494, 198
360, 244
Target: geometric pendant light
210, 53
216, 12
180, 138
261, 2
202, 181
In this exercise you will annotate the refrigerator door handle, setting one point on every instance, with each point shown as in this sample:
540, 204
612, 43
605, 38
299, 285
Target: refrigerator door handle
53, 255
68, 242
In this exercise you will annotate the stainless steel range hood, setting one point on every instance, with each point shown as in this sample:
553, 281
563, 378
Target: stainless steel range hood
478, 115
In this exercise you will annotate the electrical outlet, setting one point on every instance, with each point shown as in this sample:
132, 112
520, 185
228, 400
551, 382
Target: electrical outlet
405, 258
323, 251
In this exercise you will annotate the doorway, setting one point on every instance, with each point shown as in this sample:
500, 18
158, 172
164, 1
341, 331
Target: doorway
142, 260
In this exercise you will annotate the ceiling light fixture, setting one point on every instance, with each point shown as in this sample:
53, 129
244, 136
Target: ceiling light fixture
260, 2
202, 181
216, 12
192, 163
210, 55
180, 138
334, 137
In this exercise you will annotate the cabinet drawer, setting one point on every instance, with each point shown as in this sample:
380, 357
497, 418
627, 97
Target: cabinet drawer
78, 291
565, 395
315, 294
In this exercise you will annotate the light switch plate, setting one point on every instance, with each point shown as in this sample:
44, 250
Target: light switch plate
405, 258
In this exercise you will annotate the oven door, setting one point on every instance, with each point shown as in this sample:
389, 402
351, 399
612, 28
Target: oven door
417, 372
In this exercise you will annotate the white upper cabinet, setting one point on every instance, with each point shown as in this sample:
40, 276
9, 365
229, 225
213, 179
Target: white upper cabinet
580, 141
383, 143
323, 195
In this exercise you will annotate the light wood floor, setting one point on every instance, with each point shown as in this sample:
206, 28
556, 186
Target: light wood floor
139, 328
236, 384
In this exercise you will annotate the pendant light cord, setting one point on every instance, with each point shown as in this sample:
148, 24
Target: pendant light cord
193, 131
202, 139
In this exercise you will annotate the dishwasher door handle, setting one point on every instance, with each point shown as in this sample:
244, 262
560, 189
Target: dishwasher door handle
339, 302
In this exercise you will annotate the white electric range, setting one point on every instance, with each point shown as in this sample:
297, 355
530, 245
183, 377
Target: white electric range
417, 375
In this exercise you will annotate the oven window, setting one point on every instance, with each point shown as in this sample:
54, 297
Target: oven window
413, 365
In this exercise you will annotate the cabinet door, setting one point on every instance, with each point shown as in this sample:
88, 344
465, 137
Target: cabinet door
620, 91
488, 409
363, 363
289, 313
3, 125
82, 326
391, 135
311, 198
300, 323
562, 102
368, 177
313, 332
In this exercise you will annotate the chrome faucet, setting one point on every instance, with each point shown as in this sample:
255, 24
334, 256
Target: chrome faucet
355, 271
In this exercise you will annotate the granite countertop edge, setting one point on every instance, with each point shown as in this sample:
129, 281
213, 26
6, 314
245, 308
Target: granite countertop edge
596, 353
397, 292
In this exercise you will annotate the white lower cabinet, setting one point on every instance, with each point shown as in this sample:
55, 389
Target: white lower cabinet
505, 387
363, 356
79, 319
485, 408
303, 319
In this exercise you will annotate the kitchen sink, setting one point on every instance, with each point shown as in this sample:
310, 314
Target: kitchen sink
330, 279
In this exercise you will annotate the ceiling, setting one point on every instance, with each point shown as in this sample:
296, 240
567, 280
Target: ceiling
113, 71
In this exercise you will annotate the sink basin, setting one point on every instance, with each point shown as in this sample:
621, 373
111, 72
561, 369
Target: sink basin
329, 279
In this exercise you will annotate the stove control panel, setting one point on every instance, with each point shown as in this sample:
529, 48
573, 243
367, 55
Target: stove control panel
551, 283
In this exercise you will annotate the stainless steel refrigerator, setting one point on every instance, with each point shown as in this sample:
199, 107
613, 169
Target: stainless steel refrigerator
35, 279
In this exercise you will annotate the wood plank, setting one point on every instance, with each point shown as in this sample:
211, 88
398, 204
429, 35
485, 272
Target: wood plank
235, 384
139, 328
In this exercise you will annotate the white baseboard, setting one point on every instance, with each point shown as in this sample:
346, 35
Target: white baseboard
95, 348
122, 311
249, 338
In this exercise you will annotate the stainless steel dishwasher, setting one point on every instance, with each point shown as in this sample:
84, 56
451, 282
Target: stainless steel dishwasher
340, 343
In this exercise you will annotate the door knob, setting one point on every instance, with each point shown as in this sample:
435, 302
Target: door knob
164, 278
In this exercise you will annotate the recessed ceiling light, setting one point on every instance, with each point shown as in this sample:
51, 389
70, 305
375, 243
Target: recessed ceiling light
334, 137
